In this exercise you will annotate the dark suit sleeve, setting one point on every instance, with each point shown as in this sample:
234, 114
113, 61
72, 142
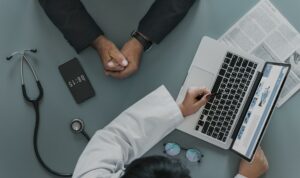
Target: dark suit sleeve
162, 17
72, 19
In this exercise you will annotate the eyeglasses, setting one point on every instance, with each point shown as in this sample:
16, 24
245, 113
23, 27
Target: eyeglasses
174, 149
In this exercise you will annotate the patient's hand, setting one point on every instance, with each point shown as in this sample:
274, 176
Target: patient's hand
258, 166
111, 56
191, 104
133, 51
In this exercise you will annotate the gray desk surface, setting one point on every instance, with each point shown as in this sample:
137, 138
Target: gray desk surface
24, 25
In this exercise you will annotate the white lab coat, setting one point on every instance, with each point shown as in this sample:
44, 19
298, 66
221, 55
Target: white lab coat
129, 136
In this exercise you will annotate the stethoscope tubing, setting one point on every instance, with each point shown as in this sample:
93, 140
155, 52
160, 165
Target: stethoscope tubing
35, 102
35, 143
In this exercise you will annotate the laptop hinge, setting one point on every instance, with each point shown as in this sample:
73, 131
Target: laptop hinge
247, 105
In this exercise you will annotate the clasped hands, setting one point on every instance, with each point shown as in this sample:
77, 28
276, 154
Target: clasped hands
119, 63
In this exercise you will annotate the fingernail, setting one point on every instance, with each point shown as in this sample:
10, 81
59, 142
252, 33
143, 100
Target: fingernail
110, 64
208, 96
124, 62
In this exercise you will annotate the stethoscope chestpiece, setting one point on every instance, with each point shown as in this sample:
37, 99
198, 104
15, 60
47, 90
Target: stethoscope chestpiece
77, 126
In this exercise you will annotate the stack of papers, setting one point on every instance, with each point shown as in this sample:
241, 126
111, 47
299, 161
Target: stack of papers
264, 32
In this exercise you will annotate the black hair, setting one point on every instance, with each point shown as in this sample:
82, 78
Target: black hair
156, 167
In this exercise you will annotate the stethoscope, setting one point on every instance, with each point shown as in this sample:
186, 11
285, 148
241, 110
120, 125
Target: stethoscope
77, 125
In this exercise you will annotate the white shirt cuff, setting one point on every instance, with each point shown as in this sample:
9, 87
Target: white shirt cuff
239, 176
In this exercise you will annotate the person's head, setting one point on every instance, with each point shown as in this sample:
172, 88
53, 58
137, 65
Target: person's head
156, 167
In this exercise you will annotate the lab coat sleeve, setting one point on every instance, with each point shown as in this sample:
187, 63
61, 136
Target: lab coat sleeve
129, 136
239, 176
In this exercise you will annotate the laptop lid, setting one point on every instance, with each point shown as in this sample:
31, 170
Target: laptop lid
258, 112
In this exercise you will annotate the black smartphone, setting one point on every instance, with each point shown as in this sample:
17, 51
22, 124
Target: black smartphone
76, 80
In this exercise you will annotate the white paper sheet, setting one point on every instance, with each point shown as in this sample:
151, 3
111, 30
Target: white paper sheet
267, 34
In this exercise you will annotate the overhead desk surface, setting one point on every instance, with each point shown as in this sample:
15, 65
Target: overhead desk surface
23, 24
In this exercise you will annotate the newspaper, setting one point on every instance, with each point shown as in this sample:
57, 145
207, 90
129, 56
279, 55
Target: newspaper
264, 32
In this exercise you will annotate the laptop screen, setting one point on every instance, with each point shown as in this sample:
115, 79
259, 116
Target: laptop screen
260, 109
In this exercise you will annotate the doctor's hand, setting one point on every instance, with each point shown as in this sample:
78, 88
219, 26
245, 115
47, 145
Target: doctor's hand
111, 56
192, 103
132, 50
258, 166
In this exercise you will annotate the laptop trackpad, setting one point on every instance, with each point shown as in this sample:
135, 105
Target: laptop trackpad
197, 77
200, 78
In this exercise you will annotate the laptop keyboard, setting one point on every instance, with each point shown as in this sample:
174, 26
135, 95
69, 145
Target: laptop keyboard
233, 80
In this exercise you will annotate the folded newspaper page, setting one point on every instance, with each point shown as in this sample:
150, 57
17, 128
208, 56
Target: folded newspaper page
264, 32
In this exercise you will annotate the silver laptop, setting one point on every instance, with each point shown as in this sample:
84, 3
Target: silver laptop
247, 88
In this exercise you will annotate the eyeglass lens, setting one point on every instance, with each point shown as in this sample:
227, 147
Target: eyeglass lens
172, 149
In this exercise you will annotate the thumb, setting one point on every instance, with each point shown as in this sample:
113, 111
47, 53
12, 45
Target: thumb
118, 58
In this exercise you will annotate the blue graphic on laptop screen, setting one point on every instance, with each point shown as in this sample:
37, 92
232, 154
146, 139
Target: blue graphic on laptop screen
260, 109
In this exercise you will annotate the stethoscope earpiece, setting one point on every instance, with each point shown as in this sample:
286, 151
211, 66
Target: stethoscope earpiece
9, 58
33, 50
